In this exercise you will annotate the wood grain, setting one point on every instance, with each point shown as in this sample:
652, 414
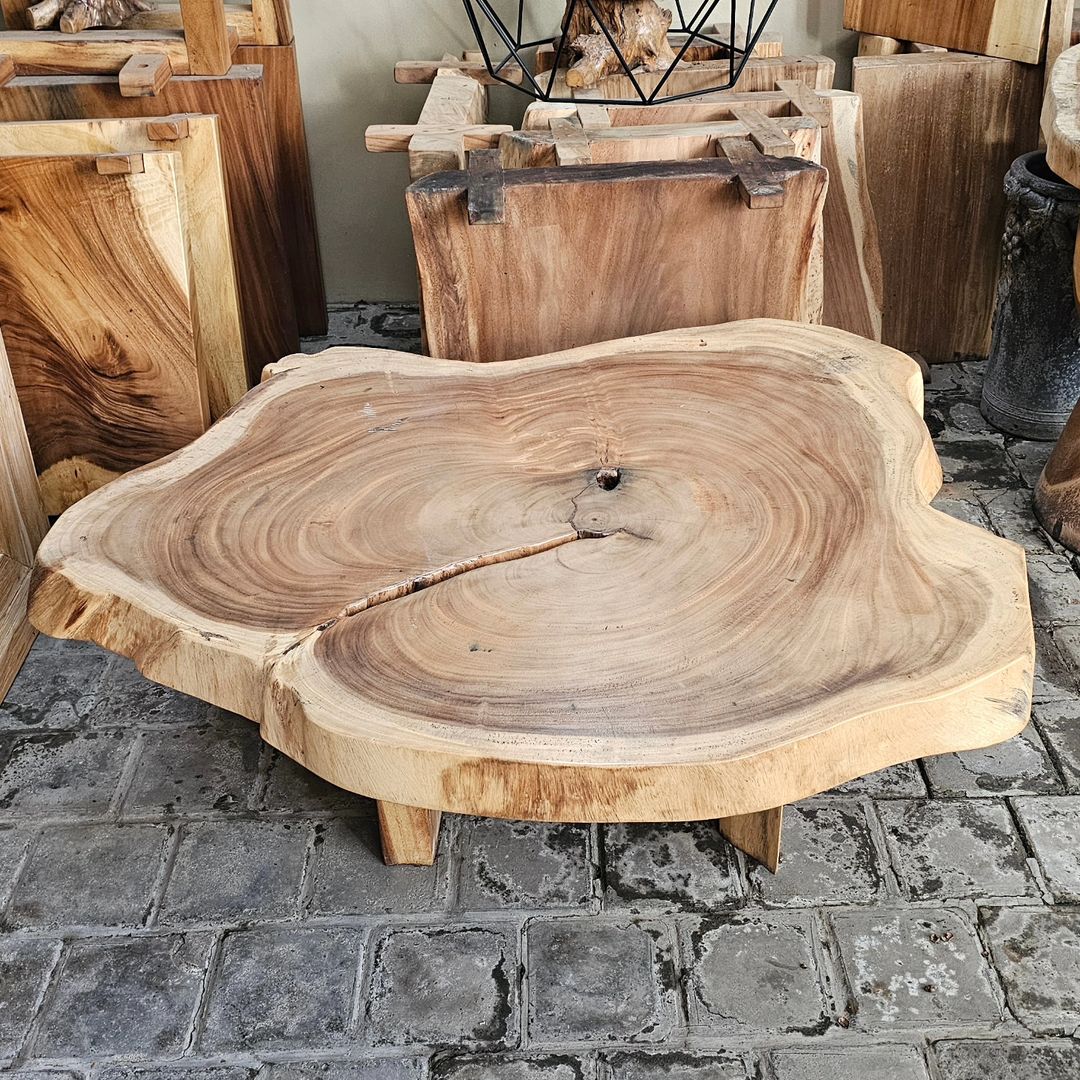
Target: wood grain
1061, 117
682, 129
243, 103
219, 331
1013, 29
207, 36
409, 834
292, 179
757, 834
145, 75
496, 292
942, 130
106, 367
569, 648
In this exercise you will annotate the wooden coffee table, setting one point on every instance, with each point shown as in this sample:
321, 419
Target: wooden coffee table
685, 576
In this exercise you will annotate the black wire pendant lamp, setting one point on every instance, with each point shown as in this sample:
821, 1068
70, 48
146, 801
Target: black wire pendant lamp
503, 39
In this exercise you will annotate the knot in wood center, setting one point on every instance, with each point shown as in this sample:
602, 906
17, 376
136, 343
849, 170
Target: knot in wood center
608, 479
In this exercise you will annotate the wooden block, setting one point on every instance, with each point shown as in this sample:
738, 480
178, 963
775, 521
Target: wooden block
145, 75
207, 36
397, 138
255, 172
879, 45
1061, 117
97, 51
760, 187
756, 834
486, 194
807, 100
410, 834
454, 103
567, 225
120, 164
7, 69
296, 197
1012, 29
241, 17
219, 332
107, 372
571, 144
521, 637
941, 132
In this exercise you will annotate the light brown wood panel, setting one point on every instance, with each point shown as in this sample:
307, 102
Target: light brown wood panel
207, 36
97, 310
219, 331
606, 601
296, 198
757, 834
566, 269
1061, 117
1013, 29
852, 259
941, 132
243, 103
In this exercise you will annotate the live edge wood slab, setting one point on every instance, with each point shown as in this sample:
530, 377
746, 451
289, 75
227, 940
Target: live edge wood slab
684, 576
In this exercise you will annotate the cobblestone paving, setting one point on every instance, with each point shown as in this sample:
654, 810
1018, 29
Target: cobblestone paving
178, 901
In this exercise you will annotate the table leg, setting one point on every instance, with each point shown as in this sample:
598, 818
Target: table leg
756, 834
410, 834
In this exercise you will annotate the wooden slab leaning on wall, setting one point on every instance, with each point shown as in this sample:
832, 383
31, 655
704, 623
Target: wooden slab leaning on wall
97, 308
681, 129
219, 336
1012, 29
941, 131
254, 175
512, 263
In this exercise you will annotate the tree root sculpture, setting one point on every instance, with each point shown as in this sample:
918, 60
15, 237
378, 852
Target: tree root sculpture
76, 15
638, 27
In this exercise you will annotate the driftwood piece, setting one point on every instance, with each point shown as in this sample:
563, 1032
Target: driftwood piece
498, 292
74, 16
639, 28
607, 601
942, 130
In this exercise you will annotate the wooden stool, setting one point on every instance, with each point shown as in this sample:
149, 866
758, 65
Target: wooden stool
684, 576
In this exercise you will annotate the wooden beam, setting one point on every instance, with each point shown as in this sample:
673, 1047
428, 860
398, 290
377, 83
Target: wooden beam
97, 52
145, 75
760, 190
571, 143
765, 133
207, 36
486, 198
396, 138
411, 72
7, 69
758, 835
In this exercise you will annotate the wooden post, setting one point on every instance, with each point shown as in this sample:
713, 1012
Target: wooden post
756, 834
207, 36
410, 834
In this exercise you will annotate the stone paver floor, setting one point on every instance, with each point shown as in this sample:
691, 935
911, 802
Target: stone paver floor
180, 901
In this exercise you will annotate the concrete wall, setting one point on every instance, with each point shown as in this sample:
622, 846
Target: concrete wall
347, 50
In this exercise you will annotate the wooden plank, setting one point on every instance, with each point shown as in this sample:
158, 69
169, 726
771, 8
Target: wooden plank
879, 45
756, 834
941, 132
395, 138
167, 17
571, 143
760, 187
7, 69
411, 72
410, 834
522, 634
219, 333
145, 75
455, 101
97, 51
207, 36
254, 171
273, 22
107, 372
120, 164
562, 238
295, 194
1012, 29
1061, 117
659, 142
765, 133
486, 199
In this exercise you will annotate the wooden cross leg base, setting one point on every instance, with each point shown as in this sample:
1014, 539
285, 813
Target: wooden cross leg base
677, 577
410, 834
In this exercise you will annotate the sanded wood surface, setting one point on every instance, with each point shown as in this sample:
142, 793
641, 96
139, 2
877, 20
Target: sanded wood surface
757, 834
218, 331
681, 129
1014, 29
1061, 117
22, 527
254, 170
941, 131
499, 291
605, 603
98, 314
